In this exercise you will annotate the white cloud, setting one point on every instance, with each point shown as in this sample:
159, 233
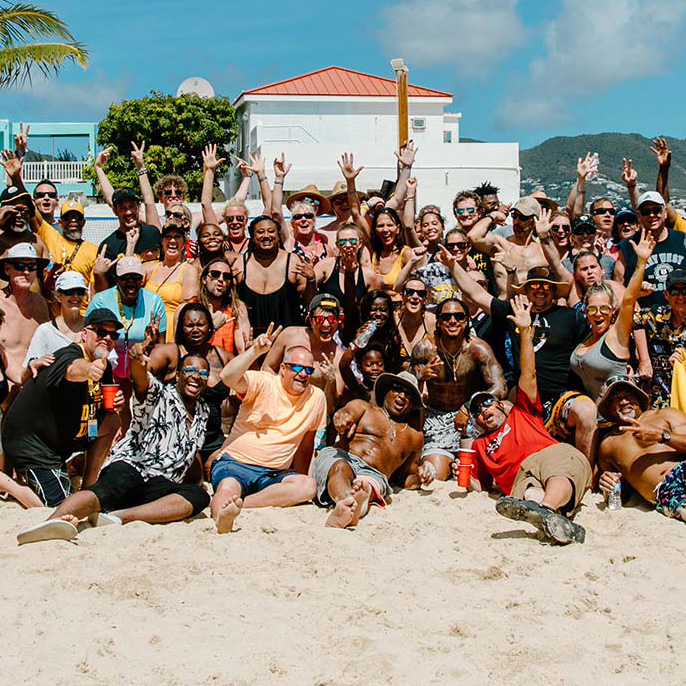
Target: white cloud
590, 47
472, 35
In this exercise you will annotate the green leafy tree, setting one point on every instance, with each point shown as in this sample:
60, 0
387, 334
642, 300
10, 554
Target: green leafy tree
175, 131
34, 38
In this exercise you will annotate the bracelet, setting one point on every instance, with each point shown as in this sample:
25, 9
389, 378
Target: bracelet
142, 171
279, 182
261, 178
511, 271
578, 190
544, 239
409, 197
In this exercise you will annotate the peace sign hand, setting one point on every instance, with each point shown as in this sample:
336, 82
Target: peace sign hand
328, 368
137, 155
265, 340
152, 331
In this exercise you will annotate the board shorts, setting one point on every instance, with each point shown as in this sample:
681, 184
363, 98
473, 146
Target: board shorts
252, 478
440, 434
670, 493
560, 459
327, 457
52, 486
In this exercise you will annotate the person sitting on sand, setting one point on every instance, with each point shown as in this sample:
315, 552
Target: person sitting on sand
266, 458
644, 447
543, 479
375, 445
142, 478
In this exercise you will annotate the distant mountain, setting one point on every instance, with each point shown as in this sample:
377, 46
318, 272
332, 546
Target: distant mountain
552, 165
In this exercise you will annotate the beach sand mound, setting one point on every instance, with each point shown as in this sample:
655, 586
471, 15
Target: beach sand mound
436, 589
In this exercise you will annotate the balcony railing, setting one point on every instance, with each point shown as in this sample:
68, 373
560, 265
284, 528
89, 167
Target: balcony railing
58, 172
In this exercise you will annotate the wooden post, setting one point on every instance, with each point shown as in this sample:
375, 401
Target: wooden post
401, 94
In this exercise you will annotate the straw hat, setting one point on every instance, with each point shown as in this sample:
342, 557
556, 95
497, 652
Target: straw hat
341, 188
310, 193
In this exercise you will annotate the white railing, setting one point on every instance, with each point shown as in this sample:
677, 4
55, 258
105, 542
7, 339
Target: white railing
58, 172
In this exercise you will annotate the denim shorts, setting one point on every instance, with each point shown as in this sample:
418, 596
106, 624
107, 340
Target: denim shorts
251, 477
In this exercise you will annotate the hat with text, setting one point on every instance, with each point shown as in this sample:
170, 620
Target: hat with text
581, 221
650, 196
325, 301
71, 206
68, 280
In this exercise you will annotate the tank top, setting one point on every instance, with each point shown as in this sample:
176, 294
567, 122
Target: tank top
280, 306
332, 285
300, 251
596, 366
171, 293
392, 275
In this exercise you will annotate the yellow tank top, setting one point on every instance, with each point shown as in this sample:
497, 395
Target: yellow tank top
171, 292
390, 277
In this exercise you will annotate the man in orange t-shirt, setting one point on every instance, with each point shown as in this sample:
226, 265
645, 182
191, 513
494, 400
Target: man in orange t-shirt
266, 458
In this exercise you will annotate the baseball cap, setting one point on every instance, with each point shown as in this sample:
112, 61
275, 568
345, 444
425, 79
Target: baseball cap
625, 213
478, 398
675, 276
129, 265
173, 227
101, 315
68, 280
324, 300
12, 193
123, 194
71, 206
650, 196
528, 206
583, 220
23, 251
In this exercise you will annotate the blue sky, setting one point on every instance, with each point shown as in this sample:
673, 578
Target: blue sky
520, 70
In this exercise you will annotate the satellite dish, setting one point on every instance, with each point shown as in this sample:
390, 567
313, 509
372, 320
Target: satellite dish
196, 85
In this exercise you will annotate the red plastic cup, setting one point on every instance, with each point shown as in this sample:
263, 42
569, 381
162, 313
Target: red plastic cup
109, 390
465, 464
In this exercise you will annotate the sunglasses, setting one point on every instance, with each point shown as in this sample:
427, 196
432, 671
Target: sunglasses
74, 291
421, 292
313, 201
585, 231
351, 241
104, 333
236, 218
177, 215
465, 210
168, 192
24, 266
45, 194
675, 290
399, 388
561, 227
219, 274
192, 369
303, 215
447, 316
461, 245
483, 405
647, 211
300, 368
594, 309
604, 210
325, 318
541, 286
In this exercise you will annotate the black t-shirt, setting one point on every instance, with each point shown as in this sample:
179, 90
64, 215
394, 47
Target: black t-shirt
668, 254
49, 419
148, 237
556, 333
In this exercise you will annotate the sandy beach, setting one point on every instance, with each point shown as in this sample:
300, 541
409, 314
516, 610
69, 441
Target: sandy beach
436, 589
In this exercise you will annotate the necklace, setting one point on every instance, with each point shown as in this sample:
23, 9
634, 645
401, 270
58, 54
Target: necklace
392, 433
452, 359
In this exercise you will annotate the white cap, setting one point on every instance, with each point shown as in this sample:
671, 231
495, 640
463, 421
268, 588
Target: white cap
650, 196
68, 280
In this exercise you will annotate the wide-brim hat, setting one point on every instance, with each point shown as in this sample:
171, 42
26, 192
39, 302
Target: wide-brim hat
23, 251
310, 193
340, 189
614, 383
544, 201
386, 380
544, 274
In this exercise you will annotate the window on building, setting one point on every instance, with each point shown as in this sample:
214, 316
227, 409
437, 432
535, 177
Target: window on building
447, 136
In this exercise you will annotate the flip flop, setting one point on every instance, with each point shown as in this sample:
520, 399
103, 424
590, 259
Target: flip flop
52, 529
553, 525
103, 519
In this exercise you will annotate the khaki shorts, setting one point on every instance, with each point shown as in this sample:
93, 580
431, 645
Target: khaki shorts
560, 459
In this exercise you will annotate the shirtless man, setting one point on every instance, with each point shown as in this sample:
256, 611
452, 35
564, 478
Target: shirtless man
375, 445
23, 309
522, 250
318, 338
463, 364
271, 280
645, 447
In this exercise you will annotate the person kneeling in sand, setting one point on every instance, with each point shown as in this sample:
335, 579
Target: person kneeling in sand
266, 458
644, 447
544, 479
144, 471
375, 445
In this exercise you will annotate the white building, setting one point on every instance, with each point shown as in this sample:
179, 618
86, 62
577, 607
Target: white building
316, 117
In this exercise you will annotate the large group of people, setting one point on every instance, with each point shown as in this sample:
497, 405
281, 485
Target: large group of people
213, 360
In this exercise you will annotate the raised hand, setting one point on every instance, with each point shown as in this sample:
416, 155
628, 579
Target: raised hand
506, 258
644, 248
102, 264
281, 168
209, 157
411, 185
418, 254
11, 163
139, 353
97, 368
257, 164
446, 257
132, 236
521, 312
7, 213
430, 370
584, 166
137, 155
247, 338
347, 166
344, 423
21, 139
629, 174
265, 340
152, 331
662, 152
242, 166
102, 157
542, 223
328, 368
39, 363
407, 154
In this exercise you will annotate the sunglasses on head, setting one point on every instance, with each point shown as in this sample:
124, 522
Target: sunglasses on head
303, 215
177, 215
300, 368
45, 194
584, 231
603, 210
594, 309
647, 211
219, 274
104, 333
459, 245
483, 405
168, 192
192, 369
313, 201
74, 291
322, 318
465, 210
240, 218
421, 292
351, 241
24, 266
447, 316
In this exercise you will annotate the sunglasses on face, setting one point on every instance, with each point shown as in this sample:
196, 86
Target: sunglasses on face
594, 309
24, 266
219, 274
177, 215
465, 210
192, 369
168, 192
447, 316
45, 194
104, 333
516, 214
647, 211
482, 406
460, 245
399, 388
238, 218
320, 319
300, 368
74, 291
585, 231
409, 292
351, 241
676, 290
303, 215
603, 210
561, 227
541, 286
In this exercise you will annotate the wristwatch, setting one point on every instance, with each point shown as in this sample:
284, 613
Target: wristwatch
666, 436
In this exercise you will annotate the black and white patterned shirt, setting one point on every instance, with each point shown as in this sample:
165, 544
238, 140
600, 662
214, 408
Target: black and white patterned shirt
159, 441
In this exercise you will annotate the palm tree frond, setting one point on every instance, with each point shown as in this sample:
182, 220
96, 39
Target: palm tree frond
21, 22
17, 62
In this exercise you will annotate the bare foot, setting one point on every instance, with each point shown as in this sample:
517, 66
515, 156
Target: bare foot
227, 514
343, 513
362, 492
71, 519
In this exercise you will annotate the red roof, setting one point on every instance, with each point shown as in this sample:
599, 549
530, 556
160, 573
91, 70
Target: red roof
340, 81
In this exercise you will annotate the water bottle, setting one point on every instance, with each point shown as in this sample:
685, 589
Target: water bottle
365, 335
614, 497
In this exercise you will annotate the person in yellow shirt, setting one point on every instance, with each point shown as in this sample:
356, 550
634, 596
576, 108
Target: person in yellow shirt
266, 458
